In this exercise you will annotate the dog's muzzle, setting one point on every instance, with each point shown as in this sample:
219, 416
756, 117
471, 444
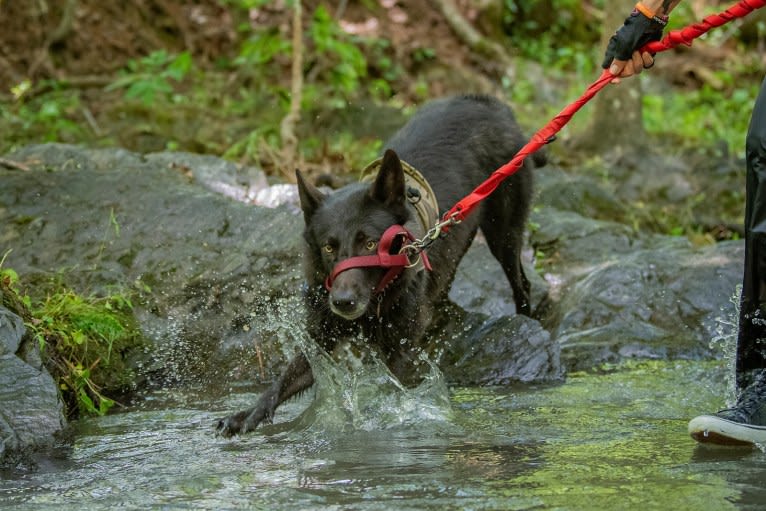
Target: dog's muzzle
392, 254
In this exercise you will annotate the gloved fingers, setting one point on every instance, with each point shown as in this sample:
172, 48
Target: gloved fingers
647, 59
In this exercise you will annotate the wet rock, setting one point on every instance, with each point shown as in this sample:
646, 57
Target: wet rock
612, 293
219, 279
502, 350
577, 193
201, 262
30, 410
569, 241
11, 331
481, 286
653, 177
653, 303
571, 246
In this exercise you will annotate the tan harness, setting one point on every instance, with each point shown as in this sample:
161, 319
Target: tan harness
417, 191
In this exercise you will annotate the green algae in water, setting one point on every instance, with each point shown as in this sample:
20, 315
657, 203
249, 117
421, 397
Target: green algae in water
619, 440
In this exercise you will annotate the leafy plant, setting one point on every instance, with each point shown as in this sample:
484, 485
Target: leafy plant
262, 47
336, 73
343, 63
81, 338
52, 117
702, 116
558, 20
255, 143
150, 77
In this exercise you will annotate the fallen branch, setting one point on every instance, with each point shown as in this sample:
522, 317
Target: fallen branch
5, 162
470, 36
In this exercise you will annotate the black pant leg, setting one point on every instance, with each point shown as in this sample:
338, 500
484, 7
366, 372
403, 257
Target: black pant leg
751, 341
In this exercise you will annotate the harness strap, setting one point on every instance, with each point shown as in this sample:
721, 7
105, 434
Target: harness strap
395, 262
418, 192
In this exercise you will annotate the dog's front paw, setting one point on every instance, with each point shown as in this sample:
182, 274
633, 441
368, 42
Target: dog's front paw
241, 422
231, 425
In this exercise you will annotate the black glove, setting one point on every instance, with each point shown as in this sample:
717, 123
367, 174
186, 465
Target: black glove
637, 31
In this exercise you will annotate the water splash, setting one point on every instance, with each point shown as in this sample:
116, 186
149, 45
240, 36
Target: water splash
724, 342
354, 389
278, 323
359, 393
172, 352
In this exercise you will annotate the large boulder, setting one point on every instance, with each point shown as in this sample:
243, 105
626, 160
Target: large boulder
666, 302
205, 267
31, 412
616, 293
604, 291
219, 277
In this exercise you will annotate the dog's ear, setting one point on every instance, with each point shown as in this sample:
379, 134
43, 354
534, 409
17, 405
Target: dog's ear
311, 198
388, 187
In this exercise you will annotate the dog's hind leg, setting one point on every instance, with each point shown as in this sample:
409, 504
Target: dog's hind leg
508, 252
296, 378
503, 220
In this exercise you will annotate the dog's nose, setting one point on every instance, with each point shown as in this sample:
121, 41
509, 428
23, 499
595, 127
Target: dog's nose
344, 301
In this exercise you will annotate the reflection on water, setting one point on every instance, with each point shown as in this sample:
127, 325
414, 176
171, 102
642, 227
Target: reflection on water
612, 440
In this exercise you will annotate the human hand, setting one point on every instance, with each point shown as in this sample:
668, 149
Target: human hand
621, 57
625, 68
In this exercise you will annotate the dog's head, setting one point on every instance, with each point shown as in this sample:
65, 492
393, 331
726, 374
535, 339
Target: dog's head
349, 223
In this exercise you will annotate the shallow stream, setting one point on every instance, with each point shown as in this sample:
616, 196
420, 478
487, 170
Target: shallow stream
613, 439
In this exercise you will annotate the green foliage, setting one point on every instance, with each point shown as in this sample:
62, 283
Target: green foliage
702, 116
521, 14
262, 47
383, 70
56, 116
151, 77
337, 72
247, 4
551, 31
354, 152
235, 107
81, 338
344, 65
252, 145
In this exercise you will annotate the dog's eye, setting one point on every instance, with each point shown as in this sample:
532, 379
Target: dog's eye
371, 244
328, 248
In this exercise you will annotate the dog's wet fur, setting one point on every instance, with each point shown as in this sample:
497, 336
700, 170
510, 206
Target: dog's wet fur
455, 143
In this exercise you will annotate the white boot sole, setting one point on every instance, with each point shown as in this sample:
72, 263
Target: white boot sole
716, 430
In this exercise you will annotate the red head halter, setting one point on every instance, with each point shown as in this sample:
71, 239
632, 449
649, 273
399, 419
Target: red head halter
396, 263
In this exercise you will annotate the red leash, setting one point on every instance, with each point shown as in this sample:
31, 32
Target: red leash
674, 38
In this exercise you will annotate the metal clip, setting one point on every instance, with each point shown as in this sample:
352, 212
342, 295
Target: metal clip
419, 255
431, 235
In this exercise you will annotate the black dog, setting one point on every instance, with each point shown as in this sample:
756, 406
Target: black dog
455, 143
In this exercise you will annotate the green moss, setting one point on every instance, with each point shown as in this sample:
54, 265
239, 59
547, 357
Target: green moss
83, 339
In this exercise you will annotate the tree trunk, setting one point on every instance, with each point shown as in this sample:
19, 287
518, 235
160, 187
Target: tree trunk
617, 121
